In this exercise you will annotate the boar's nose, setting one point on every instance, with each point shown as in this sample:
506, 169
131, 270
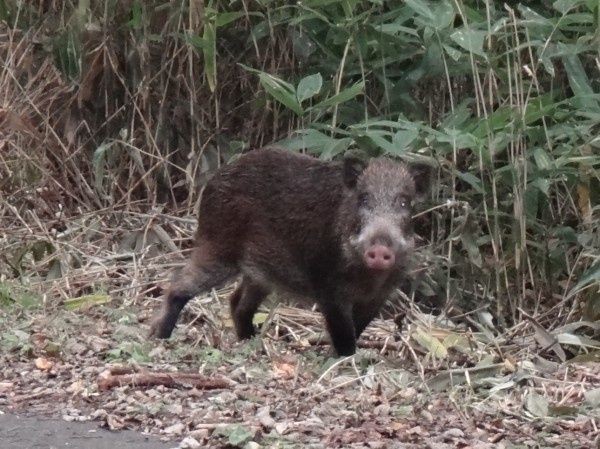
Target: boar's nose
379, 257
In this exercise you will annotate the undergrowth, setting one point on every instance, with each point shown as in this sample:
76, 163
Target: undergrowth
114, 106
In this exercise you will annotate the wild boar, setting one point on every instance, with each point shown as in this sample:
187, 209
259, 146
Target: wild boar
337, 232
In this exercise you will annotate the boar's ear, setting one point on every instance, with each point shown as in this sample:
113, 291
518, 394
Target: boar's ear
421, 174
353, 167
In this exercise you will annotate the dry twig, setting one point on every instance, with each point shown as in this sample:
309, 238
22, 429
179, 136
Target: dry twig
119, 377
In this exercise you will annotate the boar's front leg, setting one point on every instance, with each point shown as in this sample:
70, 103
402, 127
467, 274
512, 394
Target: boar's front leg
338, 317
363, 314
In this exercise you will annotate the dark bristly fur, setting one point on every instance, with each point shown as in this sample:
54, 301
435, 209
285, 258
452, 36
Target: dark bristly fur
338, 233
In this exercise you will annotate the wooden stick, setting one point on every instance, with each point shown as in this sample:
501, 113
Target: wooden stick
108, 380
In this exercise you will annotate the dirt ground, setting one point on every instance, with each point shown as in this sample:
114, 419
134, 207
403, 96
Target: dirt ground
283, 389
17, 432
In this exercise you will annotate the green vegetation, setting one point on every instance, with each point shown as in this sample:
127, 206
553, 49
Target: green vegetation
113, 102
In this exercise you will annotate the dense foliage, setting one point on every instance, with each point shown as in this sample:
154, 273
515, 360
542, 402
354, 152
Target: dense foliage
107, 102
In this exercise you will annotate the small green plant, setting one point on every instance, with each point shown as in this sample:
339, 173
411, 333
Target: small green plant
14, 296
130, 351
16, 340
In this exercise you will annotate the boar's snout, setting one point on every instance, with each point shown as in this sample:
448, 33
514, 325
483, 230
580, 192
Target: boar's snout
382, 245
379, 257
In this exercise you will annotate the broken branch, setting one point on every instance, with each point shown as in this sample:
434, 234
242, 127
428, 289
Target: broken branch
108, 380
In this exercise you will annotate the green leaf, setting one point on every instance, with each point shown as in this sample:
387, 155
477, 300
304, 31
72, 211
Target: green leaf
260, 318
378, 138
67, 50
403, 138
533, 18
564, 6
309, 86
86, 301
23, 298
212, 356
195, 40
317, 142
580, 84
334, 147
306, 139
542, 184
443, 15
136, 16
589, 277
531, 201
343, 96
452, 52
4, 11
431, 343
542, 159
421, 8
548, 65
471, 40
40, 248
581, 341
458, 139
281, 91
81, 12
223, 18
472, 180
237, 434
395, 28
536, 405
592, 397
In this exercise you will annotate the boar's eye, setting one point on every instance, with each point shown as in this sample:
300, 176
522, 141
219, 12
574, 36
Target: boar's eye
401, 202
363, 199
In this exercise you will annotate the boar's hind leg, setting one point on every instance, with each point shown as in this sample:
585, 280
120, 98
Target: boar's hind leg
341, 328
202, 273
244, 302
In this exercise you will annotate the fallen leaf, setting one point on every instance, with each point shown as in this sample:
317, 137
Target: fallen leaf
417, 430
592, 397
6, 386
175, 429
189, 443
536, 405
114, 422
264, 417
76, 387
235, 433
281, 427
284, 370
546, 340
43, 364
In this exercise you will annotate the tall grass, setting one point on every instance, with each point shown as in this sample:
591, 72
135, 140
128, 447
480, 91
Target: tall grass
146, 98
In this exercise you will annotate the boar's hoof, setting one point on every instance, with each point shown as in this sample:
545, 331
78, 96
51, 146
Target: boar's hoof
159, 330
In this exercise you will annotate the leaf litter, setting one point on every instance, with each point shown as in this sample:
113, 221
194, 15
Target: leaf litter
430, 381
